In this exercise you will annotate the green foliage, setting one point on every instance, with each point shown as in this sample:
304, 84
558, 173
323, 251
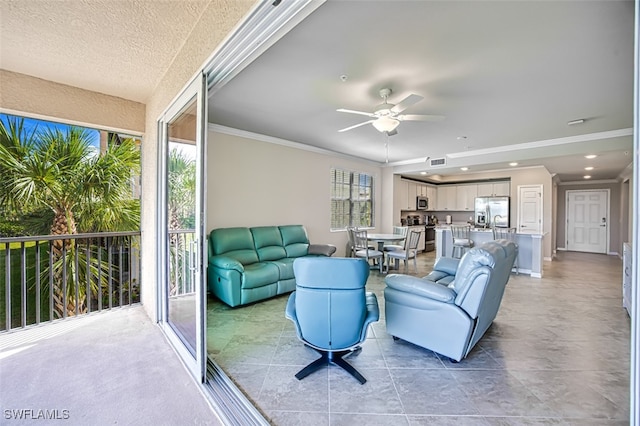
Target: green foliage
60, 171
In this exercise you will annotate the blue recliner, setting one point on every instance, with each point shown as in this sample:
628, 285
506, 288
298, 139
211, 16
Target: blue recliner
449, 310
331, 309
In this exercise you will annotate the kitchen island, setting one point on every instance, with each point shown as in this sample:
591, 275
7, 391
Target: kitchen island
529, 259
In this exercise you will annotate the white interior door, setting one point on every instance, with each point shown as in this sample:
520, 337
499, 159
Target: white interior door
181, 246
530, 209
587, 221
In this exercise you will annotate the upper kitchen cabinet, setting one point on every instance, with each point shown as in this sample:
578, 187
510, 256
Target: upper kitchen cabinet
466, 197
404, 194
432, 192
494, 189
447, 198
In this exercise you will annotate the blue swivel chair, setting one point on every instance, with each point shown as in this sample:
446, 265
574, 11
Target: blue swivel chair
331, 309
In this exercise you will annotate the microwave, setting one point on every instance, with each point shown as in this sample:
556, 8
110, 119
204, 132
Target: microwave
422, 203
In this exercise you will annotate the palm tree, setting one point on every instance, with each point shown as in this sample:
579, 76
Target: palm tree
85, 191
181, 178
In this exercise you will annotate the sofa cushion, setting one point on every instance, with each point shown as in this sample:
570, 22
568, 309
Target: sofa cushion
295, 240
236, 243
268, 243
260, 274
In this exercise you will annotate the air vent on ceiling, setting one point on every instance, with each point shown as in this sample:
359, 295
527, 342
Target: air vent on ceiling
433, 162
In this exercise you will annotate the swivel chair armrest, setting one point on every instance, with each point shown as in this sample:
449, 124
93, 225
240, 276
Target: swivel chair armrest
420, 287
448, 265
322, 249
224, 262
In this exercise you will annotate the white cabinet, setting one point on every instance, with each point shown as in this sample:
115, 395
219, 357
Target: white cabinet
402, 191
502, 189
466, 197
411, 195
447, 198
432, 192
494, 189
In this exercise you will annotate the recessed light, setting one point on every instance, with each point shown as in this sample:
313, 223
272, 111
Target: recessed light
423, 173
464, 169
587, 177
513, 164
588, 168
590, 156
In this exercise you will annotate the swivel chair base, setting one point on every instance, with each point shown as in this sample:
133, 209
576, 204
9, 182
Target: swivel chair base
327, 358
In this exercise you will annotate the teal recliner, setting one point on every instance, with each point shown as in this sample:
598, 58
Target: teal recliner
251, 264
449, 310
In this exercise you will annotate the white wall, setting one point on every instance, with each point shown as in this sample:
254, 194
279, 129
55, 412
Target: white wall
256, 183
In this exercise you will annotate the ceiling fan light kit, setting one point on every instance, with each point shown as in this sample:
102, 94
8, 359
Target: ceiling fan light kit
385, 124
386, 117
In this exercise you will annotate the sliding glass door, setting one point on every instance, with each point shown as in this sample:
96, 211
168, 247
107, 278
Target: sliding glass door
181, 246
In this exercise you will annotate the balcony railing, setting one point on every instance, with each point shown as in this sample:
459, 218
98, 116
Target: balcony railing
47, 278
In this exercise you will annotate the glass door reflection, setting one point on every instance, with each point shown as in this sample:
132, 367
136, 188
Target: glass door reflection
181, 225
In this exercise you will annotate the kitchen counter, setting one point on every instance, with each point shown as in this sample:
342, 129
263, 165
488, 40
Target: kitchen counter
529, 247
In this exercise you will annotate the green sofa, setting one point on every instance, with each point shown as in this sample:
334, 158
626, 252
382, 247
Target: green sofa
251, 264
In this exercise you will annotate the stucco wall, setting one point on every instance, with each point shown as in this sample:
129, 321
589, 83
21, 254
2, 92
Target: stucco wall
217, 21
24, 94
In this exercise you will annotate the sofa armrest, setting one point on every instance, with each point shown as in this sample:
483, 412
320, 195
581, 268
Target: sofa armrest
420, 287
225, 262
449, 265
322, 249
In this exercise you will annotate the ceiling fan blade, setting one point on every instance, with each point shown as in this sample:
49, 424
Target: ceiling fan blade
419, 117
357, 125
406, 103
350, 111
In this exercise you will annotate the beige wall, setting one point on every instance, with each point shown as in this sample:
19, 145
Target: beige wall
26, 95
255, 183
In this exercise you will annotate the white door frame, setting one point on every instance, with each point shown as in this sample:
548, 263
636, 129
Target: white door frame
607, 212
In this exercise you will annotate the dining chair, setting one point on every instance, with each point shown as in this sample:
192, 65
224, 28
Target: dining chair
508, 234
461, 238
362, 249
410, 252
397, 230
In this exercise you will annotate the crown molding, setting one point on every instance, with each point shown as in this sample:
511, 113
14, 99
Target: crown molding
283, 142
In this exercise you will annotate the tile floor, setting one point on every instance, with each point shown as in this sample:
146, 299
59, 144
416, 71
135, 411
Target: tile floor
557, 354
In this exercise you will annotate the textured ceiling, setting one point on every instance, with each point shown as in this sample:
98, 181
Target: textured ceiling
117, 47
508, 75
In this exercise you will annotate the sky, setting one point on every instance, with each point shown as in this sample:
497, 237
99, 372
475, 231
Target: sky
30, 124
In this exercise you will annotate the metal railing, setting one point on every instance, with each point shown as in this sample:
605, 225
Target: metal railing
51, 277
182, 262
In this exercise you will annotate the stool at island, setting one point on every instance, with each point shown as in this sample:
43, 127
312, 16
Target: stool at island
510, 235
462, 241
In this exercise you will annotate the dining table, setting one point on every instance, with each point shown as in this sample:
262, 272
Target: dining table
380, 239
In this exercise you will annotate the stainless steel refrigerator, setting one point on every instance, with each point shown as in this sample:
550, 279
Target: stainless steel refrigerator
492, 211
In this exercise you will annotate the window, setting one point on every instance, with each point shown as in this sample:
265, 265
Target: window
351, 199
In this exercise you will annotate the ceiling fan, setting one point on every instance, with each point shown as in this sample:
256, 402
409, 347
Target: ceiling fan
386, 117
